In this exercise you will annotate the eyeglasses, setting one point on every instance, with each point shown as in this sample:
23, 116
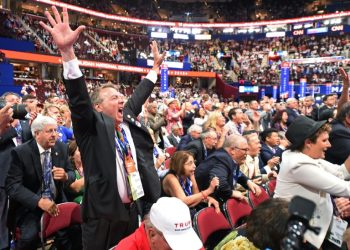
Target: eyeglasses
243, 149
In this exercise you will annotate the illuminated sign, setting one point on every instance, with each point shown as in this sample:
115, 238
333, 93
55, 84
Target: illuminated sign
317, 30
337, 28
298, 32
276, 34
202, 37
180, 36
248, 89
159, 35
175, 65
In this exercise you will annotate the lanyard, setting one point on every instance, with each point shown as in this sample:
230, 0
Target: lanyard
186, 186
122, 141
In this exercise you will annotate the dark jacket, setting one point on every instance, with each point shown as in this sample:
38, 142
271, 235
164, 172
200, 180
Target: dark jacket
292, 114
220, 164
7, 144
183, 142
173, 140
24, 180
266, 153
340, 141
95, 134
196, 147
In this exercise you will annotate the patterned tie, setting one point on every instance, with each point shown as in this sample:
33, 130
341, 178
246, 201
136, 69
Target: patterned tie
18, 129
49, 188
120, 135
239, 128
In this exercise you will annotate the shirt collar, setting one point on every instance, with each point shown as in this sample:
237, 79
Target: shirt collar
41, 149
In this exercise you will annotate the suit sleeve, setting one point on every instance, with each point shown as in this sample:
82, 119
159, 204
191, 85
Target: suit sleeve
80, 106
242, 179
14, 186
7, 136
342, 145
139, 97
225, 188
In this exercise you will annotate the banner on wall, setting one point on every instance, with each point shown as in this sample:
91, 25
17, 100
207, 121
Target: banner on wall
291, 89
164, 78
274, 92
328, 88
285, 70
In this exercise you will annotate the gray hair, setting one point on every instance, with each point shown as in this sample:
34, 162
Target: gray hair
40, 122
207, 133
95, 96
195, 127
233, 141
290, 100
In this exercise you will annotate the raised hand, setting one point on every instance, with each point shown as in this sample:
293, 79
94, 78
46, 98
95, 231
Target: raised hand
157, 58
5, 118
344, 76
62, 34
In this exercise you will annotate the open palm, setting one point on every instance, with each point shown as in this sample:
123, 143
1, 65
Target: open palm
62, 34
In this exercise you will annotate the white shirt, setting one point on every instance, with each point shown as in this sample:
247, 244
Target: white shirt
42, 155
315, 180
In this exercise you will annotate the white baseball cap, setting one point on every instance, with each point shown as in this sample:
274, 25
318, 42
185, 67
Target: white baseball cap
172, 217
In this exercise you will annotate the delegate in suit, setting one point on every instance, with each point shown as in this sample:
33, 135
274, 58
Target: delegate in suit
38, 172
116, 149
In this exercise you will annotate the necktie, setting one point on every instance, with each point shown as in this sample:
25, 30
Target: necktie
18, 129
122, 141
273, 150
239, 128
49, 185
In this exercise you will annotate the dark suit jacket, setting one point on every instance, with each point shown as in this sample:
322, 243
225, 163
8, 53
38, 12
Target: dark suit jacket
266, 154
24, 180
340, 141
7, 144
220, 164
196, 147
183, 142
291, 115
173, 140
95, 134
187, 120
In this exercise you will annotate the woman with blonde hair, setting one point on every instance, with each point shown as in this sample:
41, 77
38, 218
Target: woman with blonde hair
217, 122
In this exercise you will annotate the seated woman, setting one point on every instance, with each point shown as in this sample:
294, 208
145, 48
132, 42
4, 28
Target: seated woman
304, 172
279, 120
76, 189
180, 182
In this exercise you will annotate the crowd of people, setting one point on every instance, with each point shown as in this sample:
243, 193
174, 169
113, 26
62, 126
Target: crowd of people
243, 11
257, 61
164, 158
